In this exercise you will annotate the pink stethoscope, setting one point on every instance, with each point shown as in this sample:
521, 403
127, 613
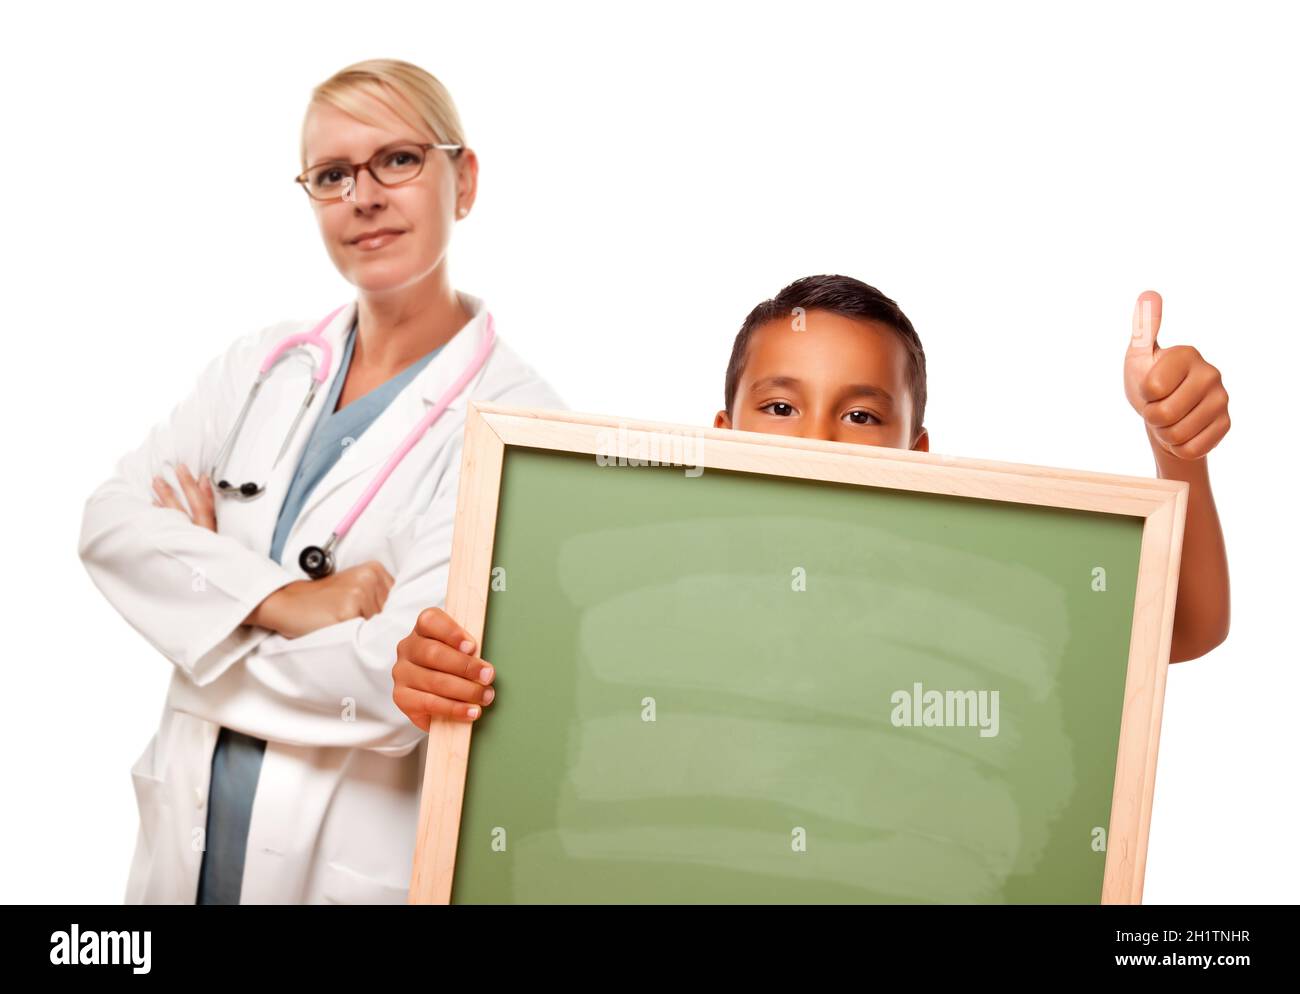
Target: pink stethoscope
318, 561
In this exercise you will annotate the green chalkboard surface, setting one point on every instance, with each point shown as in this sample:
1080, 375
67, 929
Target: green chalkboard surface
741, 688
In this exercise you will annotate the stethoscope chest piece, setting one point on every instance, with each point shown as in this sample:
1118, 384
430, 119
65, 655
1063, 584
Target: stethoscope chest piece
318, 562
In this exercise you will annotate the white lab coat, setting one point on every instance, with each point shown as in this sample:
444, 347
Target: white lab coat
334, 818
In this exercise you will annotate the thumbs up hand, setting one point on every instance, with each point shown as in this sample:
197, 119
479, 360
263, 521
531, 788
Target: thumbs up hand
1179, 395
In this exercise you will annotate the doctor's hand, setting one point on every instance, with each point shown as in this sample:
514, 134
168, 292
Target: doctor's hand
436, 676
198, 494
306, 605
1179, 395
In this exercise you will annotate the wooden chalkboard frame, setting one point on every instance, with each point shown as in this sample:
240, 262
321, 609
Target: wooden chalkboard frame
1162, 503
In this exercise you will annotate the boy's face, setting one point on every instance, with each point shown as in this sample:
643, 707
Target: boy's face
840, 379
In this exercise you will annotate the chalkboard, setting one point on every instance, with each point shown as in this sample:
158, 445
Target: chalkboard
743, 668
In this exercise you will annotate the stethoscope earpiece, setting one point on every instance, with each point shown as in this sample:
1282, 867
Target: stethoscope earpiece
245, 490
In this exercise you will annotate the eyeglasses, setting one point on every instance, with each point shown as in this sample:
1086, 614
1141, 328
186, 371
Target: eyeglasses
390, 166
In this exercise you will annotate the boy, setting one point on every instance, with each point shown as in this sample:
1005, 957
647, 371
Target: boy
830, 357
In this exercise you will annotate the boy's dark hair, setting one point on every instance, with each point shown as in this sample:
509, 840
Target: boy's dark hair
841, 295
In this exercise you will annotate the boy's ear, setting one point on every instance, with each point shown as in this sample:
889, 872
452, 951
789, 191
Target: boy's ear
922, 443
722, 420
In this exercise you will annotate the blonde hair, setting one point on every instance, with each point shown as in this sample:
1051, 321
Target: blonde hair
381, 80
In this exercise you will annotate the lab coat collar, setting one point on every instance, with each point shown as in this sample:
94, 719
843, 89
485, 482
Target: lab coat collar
451, 360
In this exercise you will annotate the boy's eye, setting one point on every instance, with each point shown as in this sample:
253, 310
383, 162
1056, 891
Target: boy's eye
860, 417
778, 407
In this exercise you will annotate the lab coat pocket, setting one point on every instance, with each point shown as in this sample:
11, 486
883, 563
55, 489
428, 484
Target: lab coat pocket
150, 790
150, 799
146, 764
343, 885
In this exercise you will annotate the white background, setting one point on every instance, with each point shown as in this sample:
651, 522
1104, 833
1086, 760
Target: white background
1012, 174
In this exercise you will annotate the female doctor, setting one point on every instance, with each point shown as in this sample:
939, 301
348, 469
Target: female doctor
282, 770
